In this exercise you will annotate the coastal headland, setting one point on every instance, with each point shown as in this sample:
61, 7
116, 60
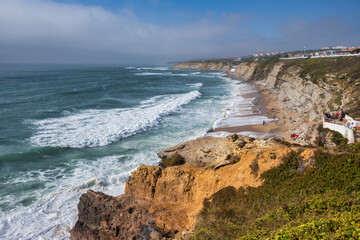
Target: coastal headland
245, 187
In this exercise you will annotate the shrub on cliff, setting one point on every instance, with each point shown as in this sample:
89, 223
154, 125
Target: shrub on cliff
321, 203
338, 139
175, 159
264, 67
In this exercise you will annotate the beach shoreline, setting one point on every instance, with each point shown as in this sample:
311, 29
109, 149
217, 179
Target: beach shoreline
265, 104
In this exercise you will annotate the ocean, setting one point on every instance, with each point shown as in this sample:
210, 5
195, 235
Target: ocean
67, 129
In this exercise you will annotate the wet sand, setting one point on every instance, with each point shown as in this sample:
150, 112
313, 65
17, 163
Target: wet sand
266, 104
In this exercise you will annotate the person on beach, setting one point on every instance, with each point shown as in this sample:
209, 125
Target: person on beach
294, 136
327, 116
264, 122
342, 115
337, 114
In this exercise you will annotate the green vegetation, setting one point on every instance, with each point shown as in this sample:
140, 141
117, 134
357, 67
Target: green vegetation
354, 111
343, 68
355, 148
336, 138
264, 66
355, 51
341, 72
231, 61
321, 203
175, 159
341, 226
337, 100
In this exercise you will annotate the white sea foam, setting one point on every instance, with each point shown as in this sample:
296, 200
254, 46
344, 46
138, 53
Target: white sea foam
161, 68
210, 75
196, 85
179, 74
153, 68
149, 74
55, 213
219, 134
259, 135
161, 74
91, 128
222, 134
243, 121
239, 110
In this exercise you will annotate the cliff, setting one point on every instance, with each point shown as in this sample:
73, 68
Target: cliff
159, 202
205, 65
307, 87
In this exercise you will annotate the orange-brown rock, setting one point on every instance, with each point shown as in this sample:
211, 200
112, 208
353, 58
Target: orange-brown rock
163, 200
208, 151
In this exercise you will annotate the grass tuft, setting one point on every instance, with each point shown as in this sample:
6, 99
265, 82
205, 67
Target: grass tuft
175, 159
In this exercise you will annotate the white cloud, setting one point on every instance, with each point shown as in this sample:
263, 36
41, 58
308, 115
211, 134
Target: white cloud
63, 32
47, 31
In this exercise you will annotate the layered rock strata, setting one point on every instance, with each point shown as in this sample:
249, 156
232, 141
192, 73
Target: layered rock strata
306, 99
301, 95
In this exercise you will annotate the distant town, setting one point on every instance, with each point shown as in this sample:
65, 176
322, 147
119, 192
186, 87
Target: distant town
337, 51
323, 52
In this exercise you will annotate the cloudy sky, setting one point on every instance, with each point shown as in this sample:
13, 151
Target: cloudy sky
159, 31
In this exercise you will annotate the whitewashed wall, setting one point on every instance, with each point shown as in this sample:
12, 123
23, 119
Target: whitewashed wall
344, 131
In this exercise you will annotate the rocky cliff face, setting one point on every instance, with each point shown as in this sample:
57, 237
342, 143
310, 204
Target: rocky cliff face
305, 98
244, 71
160, 202
305, 86
301, 95
308, 87
208, 65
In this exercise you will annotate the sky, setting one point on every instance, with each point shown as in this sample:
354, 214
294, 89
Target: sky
158, 32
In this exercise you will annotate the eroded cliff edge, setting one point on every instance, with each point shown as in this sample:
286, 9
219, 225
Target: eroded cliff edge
308, 86
219, 65
162, 202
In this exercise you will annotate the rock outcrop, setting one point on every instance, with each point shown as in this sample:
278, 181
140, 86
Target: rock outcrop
159, 202
208, 151
206, 65
244, 71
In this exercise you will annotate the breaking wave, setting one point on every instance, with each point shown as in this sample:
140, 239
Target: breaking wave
92, 128
162, 74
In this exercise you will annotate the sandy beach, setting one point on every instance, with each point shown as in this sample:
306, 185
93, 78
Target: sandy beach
266, 104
